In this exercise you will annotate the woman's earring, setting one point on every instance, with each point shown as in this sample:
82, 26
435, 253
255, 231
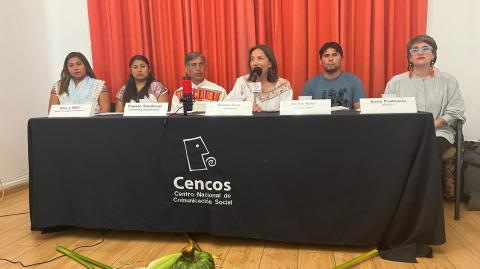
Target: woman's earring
432, 70
410, 69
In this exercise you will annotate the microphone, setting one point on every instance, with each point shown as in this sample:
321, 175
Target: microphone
187, 95
256, 72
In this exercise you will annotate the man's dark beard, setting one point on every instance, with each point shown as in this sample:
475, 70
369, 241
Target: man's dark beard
330, 71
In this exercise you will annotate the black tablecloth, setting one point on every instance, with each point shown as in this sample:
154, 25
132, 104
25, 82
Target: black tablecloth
341, 179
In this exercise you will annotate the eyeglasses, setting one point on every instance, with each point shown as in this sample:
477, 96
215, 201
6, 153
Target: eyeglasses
423, 49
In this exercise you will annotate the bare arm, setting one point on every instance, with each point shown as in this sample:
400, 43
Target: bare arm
356, 105
119, 105
104, 101
53, 101
256, 108
163, 98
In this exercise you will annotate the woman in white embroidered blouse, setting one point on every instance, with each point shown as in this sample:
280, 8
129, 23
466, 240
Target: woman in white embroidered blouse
141, 86
78, 85
272, 88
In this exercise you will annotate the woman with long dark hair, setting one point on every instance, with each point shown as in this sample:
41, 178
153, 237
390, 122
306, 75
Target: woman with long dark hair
141, 86
78, 85
262, 85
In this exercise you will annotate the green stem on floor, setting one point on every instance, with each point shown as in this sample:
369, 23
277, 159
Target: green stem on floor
357, 260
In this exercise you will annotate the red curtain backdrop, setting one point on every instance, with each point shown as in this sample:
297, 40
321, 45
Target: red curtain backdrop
373, 34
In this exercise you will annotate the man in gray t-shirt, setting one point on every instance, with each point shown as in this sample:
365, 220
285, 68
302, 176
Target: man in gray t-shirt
343, 88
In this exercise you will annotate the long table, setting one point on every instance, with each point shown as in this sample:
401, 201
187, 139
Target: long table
340, 179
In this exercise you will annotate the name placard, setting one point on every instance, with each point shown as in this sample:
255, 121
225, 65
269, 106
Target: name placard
229, 108
71, 111
199, 106
306, 107
388, 105
145, 109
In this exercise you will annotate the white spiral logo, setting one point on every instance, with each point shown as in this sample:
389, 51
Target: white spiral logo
211, 161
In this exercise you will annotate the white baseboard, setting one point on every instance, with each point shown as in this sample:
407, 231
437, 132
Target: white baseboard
15, 182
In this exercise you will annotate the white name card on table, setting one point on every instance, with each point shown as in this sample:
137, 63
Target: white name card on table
199, 106
229, 108
71, 111
306, 107
388, 105
145, 109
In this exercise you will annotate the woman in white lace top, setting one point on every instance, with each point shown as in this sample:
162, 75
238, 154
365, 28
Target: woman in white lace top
262, 85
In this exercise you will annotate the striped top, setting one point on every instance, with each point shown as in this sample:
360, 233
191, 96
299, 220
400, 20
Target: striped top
205, 91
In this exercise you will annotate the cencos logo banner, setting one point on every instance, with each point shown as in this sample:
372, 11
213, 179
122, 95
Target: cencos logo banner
192, 190
196, 152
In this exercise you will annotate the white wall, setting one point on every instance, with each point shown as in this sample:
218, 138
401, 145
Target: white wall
455, 26
35, 37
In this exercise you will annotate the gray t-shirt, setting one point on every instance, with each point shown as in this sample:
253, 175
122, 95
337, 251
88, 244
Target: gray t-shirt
345, 90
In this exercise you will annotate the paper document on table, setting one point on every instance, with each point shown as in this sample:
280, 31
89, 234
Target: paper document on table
339, 108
